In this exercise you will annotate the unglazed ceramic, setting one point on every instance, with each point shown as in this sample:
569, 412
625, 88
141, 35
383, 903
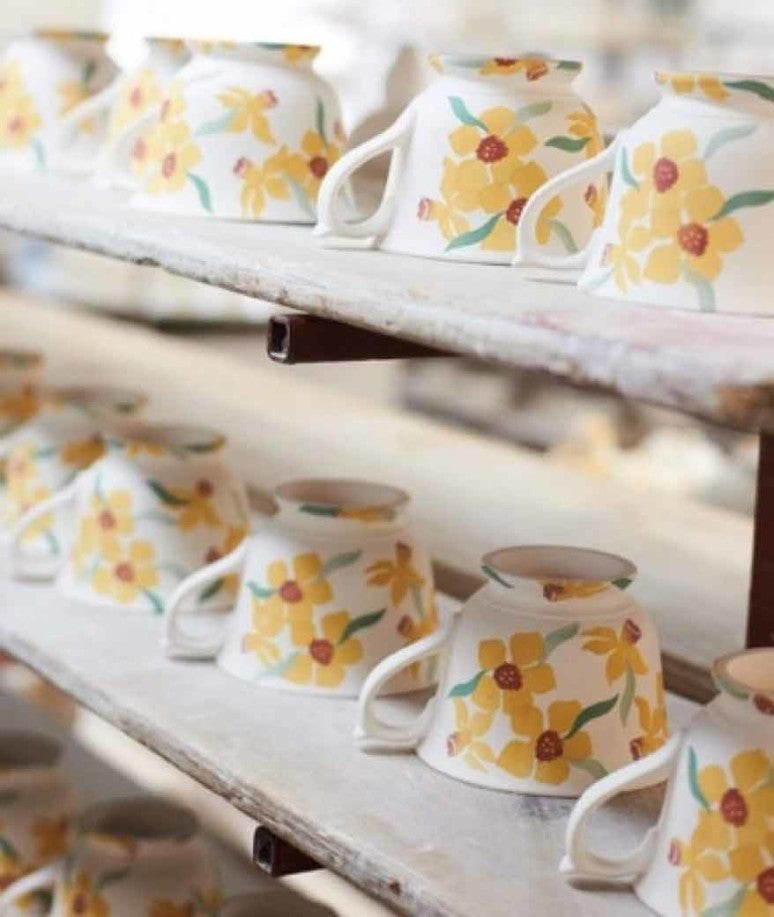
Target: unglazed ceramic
332, 584
37, 805
684, 225
43, 79
140, 856
159, 504
45, 454
550, 677
712, 851
244, 131
468, 153
20, 372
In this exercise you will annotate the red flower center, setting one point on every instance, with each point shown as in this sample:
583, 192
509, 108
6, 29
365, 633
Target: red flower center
204, 488
637, 747
536, 70
549, 746
693, 238
631, 632
491, 149
318, 166
405, 626
453, 745
508, 677
135, 97
665, 174
321, 651
16, 124
675, 855
168, 165
515, 208
764, 704
241, 166
212, 555
125, 572
505, 61
425, 209
139, 150
80, 904
166, 105
553, 591
766, 885
291, 592
590, 195
733, 807
107, 520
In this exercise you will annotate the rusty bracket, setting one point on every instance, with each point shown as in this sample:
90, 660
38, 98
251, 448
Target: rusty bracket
313, 339
277, 857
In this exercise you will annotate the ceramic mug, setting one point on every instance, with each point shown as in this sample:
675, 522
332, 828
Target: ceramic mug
37, 805
19, 382
467, 155
712, 851
330, 585
550, 677
158, 505
45, 454
244, 131
44, 77
138, 856
684, 226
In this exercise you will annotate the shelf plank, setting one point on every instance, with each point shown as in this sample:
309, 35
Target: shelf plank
421, 842
469, 494
716, 366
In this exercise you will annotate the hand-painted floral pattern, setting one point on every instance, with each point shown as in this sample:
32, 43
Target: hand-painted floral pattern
230, 583
137, 97
82, 898
110, 520
652, 721
466, 740
533, 68
706, 84
331, 649
82, 453
623, 658
263, 182
19, 118
247, 112
733, 841
126, 571
51, 836
16, 407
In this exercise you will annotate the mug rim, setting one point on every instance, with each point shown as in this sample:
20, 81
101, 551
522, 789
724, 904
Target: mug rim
182, 823
169, 436
42, 751
662, 76
729, 680
474, 62
528, 567
350, 494
227, 44
51, 34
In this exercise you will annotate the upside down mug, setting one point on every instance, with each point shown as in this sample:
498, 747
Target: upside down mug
712, 851
684, 226
333, 583
550, 677
467, 155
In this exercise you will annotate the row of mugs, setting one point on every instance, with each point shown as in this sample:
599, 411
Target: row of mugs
140, 855
497, 161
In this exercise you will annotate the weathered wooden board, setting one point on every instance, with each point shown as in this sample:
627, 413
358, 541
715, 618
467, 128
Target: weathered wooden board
469, 494
717, 366
420, 841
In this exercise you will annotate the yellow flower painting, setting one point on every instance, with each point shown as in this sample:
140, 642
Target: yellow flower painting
332, 650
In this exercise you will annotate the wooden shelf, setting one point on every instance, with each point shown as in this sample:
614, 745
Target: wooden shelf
288, 761
717, 366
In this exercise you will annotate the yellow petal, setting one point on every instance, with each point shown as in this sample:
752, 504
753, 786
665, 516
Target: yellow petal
552, 772
521, 141
300, 670
465, 139
726, 235
517, 758
616, 663
708, 265
349, 652
644, 158
329, 676
539, 678
750, 768
318, 592
562, 714
277, 573
498, 120
472, 176
307, 566
334, 624
480, 723
527, 721
702, 204
491, 653
746, 863
692, 174
528, 178
527, 647
679, 145
663, 264
141, 552
502, 238
486, 694
495, 198
578, 748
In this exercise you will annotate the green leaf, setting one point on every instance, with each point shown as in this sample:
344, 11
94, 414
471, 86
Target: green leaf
558, 637
628, 695
320, 119
363, 621
8, 848
158, 605
281, 667
52, 541
493, 574
535, 110
302, 198
216, 126
417, 596
260, 592
340, 560
730, 688
466, 688
693, 779
213, 589
744, 199
763, 90
625, 171
165, 495
107, 878
622, 584
591, 766
591, 713
568, 144
559, 229
728, 908
704, 289
459, 109
202, 190
568, 65
474, 236
40, 154
728, 135
315, 510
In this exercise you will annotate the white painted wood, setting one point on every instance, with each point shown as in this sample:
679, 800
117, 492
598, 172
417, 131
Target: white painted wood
718, 366
417, 840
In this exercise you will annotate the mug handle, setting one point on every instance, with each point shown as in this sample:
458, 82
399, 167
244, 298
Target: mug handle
45, 877
24, 566
527, 251
372, 734
331, 225
178, 644
580, 863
